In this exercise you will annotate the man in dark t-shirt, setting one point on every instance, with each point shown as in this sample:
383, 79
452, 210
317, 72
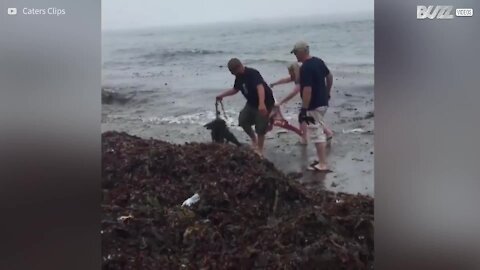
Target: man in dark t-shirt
259, 104
314, 72
315, 85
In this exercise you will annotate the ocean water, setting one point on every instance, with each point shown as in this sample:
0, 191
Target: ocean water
172, 75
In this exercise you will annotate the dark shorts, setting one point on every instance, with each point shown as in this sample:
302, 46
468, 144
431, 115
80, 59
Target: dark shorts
250, 116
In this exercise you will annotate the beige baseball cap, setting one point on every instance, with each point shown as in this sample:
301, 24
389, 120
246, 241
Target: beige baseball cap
301, 45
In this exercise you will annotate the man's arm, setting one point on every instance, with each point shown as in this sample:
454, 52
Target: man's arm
261, 96
307, 95
229, 92
306, 81
261, 99
258, 81
329, 80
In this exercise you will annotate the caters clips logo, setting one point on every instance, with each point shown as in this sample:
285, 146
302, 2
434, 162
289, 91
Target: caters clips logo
442, 12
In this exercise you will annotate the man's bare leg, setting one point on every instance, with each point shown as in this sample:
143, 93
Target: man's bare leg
303, 128
261, 141
251, 134
320, 139
322, 156
254, 142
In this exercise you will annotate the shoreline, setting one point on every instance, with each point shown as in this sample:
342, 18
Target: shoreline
353, 167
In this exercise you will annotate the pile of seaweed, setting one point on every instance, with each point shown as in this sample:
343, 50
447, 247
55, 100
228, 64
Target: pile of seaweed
249, 215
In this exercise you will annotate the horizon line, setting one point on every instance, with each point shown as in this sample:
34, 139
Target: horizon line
368, 16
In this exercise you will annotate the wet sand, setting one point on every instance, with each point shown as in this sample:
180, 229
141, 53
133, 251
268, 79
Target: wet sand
350, 154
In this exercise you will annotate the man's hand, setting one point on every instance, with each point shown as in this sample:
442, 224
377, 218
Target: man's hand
302, 117
263, 110
229, 92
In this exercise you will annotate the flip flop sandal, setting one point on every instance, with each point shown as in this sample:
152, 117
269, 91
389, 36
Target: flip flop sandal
313, 167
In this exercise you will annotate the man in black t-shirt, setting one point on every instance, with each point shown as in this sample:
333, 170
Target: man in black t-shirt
259, 101
315, 85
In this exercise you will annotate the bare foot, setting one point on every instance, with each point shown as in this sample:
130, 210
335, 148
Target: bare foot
258, 152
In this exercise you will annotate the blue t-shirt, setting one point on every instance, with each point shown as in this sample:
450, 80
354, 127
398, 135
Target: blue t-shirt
313, 73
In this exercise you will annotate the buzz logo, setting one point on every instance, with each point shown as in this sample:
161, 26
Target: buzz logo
434, 12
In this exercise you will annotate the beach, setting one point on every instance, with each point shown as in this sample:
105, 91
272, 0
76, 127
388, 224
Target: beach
162, 83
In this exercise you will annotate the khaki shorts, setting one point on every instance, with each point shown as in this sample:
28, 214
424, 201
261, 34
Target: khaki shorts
316, 130
250, 116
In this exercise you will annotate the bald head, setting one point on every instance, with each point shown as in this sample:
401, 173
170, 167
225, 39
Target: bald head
234, 63
235, 66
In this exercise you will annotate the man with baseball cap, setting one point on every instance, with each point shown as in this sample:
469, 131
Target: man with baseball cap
259, 101
315, 85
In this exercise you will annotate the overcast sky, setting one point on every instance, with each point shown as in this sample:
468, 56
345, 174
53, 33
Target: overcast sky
124, 14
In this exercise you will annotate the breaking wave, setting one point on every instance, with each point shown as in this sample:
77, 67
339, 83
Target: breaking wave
181, 53
267, 61
200, 118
